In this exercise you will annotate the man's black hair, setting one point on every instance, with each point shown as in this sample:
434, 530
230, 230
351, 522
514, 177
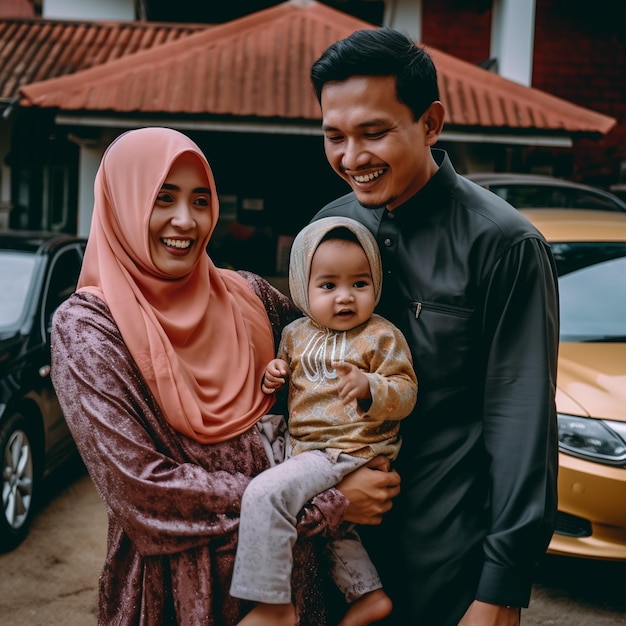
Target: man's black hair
381, 52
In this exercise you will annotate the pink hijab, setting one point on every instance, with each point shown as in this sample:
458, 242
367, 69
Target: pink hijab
201, 341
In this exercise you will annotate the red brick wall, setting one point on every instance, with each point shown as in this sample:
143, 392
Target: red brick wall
579, 55
458, 28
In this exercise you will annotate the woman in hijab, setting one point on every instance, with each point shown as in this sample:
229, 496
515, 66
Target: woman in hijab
157, 363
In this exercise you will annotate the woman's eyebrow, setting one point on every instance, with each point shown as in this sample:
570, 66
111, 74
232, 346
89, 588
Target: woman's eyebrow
171, 187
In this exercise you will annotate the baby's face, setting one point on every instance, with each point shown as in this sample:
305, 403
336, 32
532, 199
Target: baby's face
341, 289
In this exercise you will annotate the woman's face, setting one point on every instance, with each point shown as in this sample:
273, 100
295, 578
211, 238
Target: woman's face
181, 217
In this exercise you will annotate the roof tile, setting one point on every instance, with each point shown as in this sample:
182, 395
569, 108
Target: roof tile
33, 50
258, 66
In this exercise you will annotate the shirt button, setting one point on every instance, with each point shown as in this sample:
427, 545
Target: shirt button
390, 215
387, 242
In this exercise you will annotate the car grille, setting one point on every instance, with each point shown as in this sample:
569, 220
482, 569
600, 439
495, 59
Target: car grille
572, 526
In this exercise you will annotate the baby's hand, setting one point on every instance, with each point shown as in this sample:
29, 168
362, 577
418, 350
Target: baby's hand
353, 383
275, 375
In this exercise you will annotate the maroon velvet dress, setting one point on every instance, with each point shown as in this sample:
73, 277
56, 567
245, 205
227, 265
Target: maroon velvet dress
172, 503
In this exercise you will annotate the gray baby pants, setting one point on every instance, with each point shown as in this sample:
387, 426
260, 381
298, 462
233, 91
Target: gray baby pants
267, 531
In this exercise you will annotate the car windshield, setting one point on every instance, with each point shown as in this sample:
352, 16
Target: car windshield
548, 196
16, 277
592, 290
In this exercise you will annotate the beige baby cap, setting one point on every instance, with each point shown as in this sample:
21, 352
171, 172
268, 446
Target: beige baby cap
306, 243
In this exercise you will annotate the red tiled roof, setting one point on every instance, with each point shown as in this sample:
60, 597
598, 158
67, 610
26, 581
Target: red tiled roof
258, 66
474, 96
35, 49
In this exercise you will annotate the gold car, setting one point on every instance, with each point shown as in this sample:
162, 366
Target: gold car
589, 248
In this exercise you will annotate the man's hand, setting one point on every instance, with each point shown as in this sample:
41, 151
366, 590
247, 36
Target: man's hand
484, 614
369, 491
275, 375
353, 384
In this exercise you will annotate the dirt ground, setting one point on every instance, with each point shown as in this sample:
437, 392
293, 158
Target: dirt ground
51, 579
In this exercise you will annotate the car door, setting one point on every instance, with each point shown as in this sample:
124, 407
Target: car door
60, 283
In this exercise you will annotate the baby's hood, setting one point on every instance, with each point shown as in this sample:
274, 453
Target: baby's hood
306, 243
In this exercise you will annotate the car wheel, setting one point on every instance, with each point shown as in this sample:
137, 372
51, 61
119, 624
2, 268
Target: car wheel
19, 484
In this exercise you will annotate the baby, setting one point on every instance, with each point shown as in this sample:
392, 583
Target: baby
351, 381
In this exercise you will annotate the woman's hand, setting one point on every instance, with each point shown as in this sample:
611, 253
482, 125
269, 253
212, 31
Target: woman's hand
369, 491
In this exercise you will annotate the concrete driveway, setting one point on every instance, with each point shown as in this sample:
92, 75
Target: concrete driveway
51, 579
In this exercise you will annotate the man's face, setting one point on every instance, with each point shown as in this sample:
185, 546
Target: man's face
372, 141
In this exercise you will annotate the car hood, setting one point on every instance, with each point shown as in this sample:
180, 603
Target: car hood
592, 380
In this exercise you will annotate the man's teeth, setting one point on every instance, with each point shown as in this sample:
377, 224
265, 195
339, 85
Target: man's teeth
177, 243
367, 177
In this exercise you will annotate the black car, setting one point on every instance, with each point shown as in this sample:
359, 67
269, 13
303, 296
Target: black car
38, 271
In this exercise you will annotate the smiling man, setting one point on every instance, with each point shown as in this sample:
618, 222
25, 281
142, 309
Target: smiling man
472, 285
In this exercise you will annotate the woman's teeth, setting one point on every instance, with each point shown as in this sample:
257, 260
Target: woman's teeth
177, 243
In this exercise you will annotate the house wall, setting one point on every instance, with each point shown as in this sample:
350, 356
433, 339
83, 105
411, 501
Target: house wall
461, 29
406, 16
512, 35
88, 163
579, 55
89, 9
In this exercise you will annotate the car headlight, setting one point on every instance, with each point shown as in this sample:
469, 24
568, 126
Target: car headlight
603, 441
